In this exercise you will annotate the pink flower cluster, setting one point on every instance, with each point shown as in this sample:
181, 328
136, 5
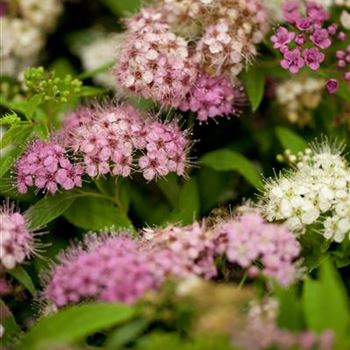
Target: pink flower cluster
156, 63
211, 97
16, 242
261, 331
108, 268
120, 139
192, 247
46, 166
306, 43
249, 239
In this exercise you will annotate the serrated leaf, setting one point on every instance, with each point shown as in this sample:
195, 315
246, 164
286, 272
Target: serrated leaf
325, 303
21, 275
49, 208
254, 82
75, 323
17, 133
228, 160
290, 140
96, 214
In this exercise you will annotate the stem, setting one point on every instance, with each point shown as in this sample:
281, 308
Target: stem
241, 284
97, 195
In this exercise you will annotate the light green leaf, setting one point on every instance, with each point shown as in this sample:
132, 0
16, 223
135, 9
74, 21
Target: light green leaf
227, 160
93, 213
187, 208
21, 275
75, 323
325, 303
254, 82
290, 140
17, 133
49, 208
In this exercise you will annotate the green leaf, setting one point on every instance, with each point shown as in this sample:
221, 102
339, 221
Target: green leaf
96, 214
21, 275
49, 208
75, 323
344, 91
187, 208
12, 329
254, 82
170, 188
325, 303
17, 133
290, 140
27, 107
126, 334
7, 160
227, 160
121, 7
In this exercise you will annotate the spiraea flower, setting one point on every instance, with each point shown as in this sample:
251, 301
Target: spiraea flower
211, 97
191, 248
16, 240
315, 191
47, 167
298, 97
250, 241
120, 140
155, 63
104, 267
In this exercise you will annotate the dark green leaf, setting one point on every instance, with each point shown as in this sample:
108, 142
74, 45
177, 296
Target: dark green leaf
187, 208
227, 160
49, 208
254, 82
290, 140
170, 188
121, 7
93, 213
12, 330
75, 323
17, 133
21, 275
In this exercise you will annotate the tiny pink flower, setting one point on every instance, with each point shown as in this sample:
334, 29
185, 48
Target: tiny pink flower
282, 38
292, 60
313, 58
320, 37
332, 85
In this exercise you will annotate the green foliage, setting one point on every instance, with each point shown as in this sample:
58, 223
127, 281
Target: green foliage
254, 82
290, 140
11, 328
75, 323
21, 275
326, 305
121, 7
228, 160
9, 119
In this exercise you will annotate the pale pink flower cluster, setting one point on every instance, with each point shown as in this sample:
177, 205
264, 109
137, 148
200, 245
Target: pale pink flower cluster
248, 240
191, 246
176, 71
155, 63
16, 243
120, 139
261, 331
46, 166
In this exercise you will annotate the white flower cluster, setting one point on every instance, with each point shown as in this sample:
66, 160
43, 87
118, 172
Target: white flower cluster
343, 3
99, 52
23, 31
316, 191
299, 96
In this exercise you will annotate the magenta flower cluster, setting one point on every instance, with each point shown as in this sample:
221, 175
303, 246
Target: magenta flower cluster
107, 268
211, 97
306, 42
249, 240
120, 139
47, 167
193, 75
16, 243
343, 61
